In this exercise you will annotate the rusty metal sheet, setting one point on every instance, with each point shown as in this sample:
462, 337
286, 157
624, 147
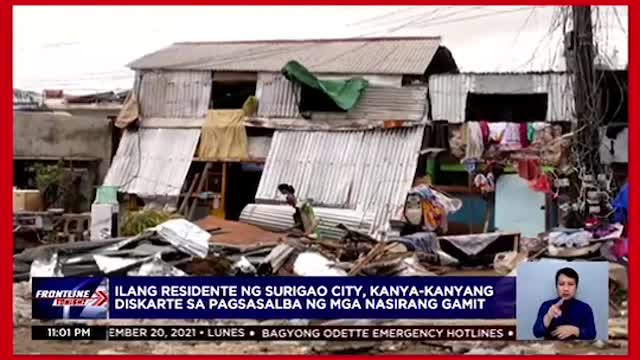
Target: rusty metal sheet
409, 55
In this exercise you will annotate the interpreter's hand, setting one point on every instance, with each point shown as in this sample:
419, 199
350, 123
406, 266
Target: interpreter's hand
554, 311
565, 331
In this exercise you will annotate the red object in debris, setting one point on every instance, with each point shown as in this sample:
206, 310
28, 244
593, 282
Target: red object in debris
591, 224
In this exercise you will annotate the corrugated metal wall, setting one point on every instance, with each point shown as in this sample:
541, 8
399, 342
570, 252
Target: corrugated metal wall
559, 88
280, 217
153, 162
279, 98
369, 171
175, 94
387, 103
448, 92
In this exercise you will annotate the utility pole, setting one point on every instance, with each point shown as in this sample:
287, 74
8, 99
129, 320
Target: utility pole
586, 144
585, 91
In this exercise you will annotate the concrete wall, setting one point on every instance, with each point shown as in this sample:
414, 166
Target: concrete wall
97, 113
46, 135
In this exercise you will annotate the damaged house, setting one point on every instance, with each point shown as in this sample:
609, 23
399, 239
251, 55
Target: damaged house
520, 123
201, 145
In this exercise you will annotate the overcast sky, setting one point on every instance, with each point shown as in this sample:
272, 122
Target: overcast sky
86, 48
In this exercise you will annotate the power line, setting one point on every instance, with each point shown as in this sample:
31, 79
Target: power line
479, 16
414, 20
374, 19
421, 18
617, 16
557, 22
524, 25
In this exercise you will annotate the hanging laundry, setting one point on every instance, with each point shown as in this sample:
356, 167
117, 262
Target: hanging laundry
496, 132
511, 136
524, 135
475, 145
541, 184
484, 128
531, 132
529, 169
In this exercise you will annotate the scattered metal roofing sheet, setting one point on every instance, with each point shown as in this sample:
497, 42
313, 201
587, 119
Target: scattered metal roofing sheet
367, 171
280, 217
409, 56
448, 92
153, 162
174, 94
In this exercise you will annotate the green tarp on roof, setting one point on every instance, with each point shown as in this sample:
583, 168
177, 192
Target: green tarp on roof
344, 93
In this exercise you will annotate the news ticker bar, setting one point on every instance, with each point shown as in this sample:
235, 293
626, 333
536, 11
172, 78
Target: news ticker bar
271, 333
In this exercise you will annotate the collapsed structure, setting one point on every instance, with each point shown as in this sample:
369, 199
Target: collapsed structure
356, 164
383, 136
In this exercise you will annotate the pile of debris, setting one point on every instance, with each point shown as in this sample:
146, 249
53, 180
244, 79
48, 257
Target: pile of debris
218, 247
584, 243
154, 252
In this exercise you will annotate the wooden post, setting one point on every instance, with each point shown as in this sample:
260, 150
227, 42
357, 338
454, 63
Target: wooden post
205, 174
188, 195
220, 211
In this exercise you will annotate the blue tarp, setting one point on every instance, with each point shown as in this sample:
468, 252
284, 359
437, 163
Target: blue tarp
621, 205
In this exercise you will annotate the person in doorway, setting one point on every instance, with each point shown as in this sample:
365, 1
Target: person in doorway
565, 317
304, 219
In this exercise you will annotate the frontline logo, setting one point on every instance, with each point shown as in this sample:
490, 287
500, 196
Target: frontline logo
70, 298
79, 298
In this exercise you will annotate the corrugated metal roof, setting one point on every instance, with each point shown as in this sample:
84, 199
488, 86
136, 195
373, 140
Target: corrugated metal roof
448, 92
175, 94
368, 171
153, 162
280, 217
340, 56
279, 98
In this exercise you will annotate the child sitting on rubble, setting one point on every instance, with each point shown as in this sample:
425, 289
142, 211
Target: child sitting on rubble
304, 219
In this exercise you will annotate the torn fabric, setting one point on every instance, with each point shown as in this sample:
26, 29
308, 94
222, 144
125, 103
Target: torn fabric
224, 137
130, 111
